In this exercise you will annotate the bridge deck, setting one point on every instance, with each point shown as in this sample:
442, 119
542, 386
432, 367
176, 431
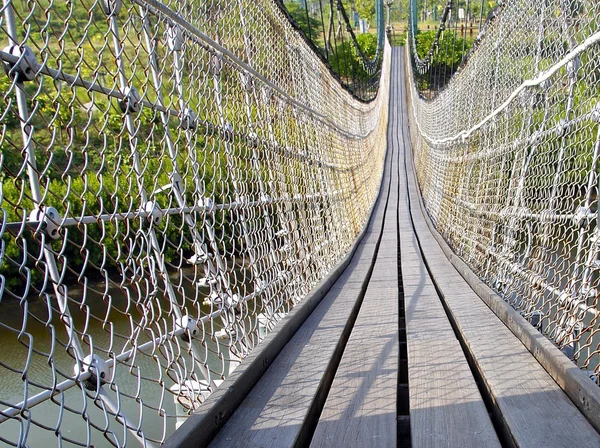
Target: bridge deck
401, 351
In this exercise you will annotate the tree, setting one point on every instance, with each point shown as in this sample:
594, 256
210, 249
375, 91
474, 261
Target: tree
298, 12
366, 9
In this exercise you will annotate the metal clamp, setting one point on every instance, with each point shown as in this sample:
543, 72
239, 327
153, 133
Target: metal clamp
246, 80
174, 38
200, 257
596, 113
48, 218
573, 66
253, 140
153, 212
131, 102
190, 326
24, 68
217, 64
564, 127
267, 94
206, 202
535, 138
546, 84
228, 132
189, 122
98, 369
581, 217
226, 301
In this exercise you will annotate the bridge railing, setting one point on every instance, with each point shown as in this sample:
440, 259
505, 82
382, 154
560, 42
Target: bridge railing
355, 58
175, 177
507, 156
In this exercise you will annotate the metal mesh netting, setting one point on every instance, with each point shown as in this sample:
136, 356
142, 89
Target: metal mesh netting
176, 176
354, 58
507, 159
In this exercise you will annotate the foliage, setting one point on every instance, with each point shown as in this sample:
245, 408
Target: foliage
446, 59
398, 38
347, 60
450, 50
337, 47
82, 150
368, 44
297, 11
87, 168
366, 9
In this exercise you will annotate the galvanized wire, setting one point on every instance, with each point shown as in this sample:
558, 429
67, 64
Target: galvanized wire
507, 158
356, 61
176, 177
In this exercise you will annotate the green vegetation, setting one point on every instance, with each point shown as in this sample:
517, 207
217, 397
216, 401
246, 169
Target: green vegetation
309, 23
347, 61
366, 9
327, 31
450, 50
446, 59
84, 151
398, 38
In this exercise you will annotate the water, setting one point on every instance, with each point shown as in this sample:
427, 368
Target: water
142, 385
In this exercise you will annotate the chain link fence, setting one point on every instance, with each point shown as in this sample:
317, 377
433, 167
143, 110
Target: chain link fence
175, 177
507, 157
352, 52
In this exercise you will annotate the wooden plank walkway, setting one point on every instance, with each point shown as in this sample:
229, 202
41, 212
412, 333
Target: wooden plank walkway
360, 410
282, 409
528, 403
401, 351
446, 407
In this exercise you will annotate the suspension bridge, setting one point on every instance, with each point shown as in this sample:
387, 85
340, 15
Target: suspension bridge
229, 224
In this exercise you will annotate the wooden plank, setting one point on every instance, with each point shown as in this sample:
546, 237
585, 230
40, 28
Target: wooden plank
280, 411
446, 408
360, 410
529, 401
277, 408
358, 268
534, 410
273, 414
361, 407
